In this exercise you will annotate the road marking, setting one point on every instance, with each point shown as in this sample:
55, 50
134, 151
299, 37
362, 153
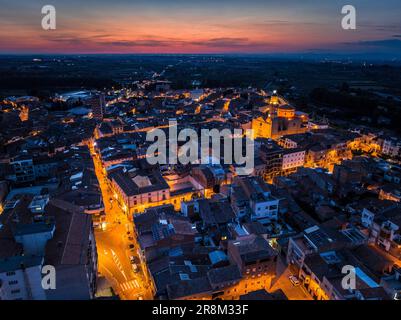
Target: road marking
124, 274
129, 285
118, 263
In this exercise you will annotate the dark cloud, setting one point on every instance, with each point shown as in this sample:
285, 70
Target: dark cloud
390, 27
67, 40
104, 40
212, 43
385, 43
222, 42
137, 43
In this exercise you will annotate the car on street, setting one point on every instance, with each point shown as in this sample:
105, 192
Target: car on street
134, 259
294, 280
135, 267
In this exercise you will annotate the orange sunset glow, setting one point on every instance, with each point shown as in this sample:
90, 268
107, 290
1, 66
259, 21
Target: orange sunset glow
185, 27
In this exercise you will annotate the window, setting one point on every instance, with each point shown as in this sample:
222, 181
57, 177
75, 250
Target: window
15, 291
12, 282
11, 273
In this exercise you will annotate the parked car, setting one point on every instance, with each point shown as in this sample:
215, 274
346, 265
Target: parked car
134, 259
294, 280
135, 267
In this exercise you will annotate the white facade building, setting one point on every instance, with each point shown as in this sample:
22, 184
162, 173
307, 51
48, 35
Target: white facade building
293, 159
20, 278
391, 147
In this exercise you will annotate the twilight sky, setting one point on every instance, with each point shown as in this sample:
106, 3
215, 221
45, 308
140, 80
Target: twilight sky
204, 26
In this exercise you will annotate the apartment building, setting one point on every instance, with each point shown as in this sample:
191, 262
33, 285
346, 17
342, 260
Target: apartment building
252, 198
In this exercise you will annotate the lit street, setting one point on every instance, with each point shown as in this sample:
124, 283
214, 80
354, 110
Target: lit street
116, 246
283, 282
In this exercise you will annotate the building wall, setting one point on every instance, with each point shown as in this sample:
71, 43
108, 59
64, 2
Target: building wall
22, 284
262, 128
391, 148
293, 160
265, 211
98, 104
286, 126
24, 171
148, 198
287, 143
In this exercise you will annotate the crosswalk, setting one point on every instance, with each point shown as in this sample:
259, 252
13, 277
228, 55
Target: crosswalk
129, 285
118, 263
